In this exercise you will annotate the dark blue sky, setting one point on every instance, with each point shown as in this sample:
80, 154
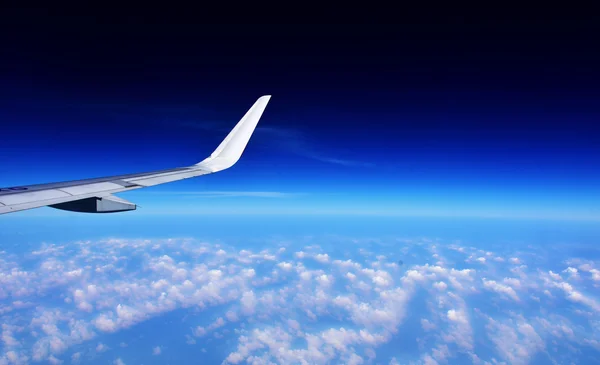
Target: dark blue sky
421, 119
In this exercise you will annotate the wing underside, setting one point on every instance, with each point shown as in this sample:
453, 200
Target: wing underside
95, 195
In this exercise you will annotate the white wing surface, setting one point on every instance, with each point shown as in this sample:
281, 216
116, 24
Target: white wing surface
95, 195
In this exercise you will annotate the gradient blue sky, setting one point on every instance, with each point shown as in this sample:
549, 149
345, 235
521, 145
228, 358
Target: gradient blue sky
481, 120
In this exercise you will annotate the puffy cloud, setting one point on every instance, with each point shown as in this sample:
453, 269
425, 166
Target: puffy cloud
500, 288
515, 339
571, 293
54, 360
554, 275
427, 325
413, 275
595, 274
322, 258
101, 347
248, 302
347, 264
457, 316
512, 282
285, 266
354, 359
440, 285
572, 272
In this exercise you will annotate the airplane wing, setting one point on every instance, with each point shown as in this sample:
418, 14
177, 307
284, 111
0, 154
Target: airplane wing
96, 195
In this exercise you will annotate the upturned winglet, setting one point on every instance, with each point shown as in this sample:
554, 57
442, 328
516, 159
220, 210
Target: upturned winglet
232, 147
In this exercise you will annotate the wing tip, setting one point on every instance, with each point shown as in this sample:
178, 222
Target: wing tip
264, 98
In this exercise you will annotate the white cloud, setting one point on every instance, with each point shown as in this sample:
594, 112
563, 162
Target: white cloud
457, 316
515, 340
248, 302
572, 294
512, 282
101, 347
554, 275
427, 325
500, 288
54, 360
285, 266
354, 359
231, 316
440, 285
595, 274
322, 258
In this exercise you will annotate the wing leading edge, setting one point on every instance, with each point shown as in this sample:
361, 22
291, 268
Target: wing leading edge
95, 195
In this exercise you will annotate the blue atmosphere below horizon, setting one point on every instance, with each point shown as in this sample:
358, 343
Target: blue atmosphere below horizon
287, 290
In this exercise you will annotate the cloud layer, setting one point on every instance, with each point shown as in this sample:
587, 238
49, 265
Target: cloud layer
288, 303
